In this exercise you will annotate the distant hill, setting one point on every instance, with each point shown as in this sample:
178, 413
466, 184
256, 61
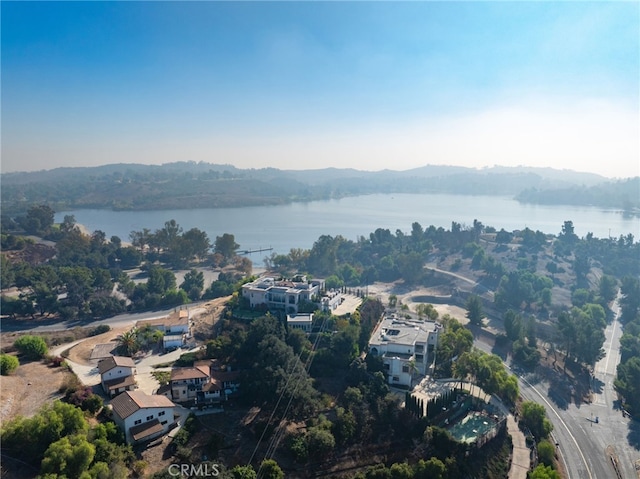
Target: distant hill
188, 185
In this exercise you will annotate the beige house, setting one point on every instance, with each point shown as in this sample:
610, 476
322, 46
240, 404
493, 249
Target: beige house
117, 375
187, 382
141, 416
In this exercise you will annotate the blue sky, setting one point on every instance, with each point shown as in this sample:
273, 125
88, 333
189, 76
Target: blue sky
292, 85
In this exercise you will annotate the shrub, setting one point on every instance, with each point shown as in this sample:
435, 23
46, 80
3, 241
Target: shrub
70, 384
57, 361
103, 328
8, 364
32, 347
546, 452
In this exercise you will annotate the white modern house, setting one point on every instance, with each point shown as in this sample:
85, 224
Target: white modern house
117, 374
407, 347
141, 416
289, 295
301, 321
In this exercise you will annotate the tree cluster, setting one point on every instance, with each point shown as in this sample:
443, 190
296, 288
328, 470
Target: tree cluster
59, 442
627, 381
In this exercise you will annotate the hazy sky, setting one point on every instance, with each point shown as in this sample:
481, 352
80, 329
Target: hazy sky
299, 85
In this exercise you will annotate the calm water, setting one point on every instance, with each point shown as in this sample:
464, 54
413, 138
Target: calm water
299, 225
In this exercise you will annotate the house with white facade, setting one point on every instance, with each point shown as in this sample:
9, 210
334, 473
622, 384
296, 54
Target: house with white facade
117, 375
301, 321
141, 416
176, 328
289, 295
406, 347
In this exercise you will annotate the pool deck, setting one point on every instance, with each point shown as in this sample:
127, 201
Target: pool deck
521, 455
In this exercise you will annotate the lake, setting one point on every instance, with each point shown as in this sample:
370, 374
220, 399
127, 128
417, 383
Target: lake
298, 225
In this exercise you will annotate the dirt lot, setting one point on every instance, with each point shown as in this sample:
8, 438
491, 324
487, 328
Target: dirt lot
32, 385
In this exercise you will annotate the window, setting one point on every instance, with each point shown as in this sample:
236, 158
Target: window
138, 421
419, 348
405, 369
419, 357
149, 418
163, 422
396, 378
386, 367
161, 413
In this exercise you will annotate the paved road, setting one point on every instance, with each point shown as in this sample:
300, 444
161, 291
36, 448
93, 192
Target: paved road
121, 320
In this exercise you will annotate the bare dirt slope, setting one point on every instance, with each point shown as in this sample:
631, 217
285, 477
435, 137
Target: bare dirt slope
32, 385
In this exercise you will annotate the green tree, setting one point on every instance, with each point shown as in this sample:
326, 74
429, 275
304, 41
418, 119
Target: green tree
69, 456
31, 347
197, 243
512, 324
607, 288
128, 342
544, 472
433, 468
546, 452
226, 245
475, 312
193, 284
627, 383
320, 441
410, 266
30, 437
8, 364
39, 219
269, 469
243, 472
534, 417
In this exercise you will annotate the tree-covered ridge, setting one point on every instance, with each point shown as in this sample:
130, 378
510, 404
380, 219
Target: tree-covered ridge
203, 185
621, 194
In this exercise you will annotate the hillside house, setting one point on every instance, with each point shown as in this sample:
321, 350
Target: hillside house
405, 346
141, 416
176, 328
186, 383
289, 295
117, 375
301, 321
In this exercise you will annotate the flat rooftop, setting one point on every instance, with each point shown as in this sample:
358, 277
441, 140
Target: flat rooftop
393, 330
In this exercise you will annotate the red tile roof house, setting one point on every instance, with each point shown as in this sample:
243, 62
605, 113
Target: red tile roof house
141, 416
117, 375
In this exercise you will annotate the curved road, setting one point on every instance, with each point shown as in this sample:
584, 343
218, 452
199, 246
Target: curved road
585, 446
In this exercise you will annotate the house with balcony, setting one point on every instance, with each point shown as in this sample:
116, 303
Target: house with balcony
288, 295
186, 383
117, 375
142, 416
406, 347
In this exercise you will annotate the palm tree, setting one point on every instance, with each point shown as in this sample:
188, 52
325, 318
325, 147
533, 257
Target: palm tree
128, 342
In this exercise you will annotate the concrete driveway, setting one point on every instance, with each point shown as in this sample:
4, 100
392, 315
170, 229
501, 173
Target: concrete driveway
89, 375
